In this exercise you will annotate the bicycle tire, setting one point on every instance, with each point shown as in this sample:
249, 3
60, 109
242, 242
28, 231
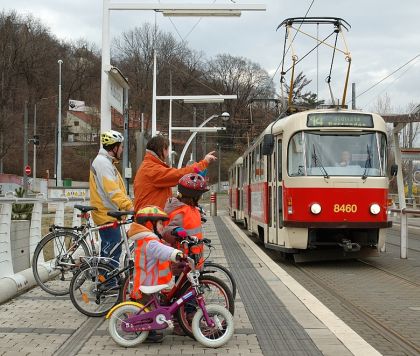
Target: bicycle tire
54, 247
215, 336
121, 337
185, 316
221, 272
89, 295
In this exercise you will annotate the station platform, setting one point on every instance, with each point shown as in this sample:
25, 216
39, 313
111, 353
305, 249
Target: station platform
274, 315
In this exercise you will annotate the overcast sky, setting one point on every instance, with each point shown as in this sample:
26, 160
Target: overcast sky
384, 35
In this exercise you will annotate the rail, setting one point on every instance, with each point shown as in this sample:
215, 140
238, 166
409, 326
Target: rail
13, 281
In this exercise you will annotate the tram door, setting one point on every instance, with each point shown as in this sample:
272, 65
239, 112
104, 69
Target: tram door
275, 193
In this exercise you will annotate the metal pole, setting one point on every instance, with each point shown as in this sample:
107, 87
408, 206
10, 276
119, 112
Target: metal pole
194, 143
25, 147
58, 170
34, 161
401, 196
105, 63
353, 96
154, 96
218, 168
410, 164
170, 120
126, 142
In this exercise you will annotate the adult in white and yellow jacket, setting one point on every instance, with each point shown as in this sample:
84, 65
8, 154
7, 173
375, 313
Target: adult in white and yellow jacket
107, 191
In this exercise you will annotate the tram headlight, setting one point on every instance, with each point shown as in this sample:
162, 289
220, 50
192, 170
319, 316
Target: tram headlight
375, 209
315, 208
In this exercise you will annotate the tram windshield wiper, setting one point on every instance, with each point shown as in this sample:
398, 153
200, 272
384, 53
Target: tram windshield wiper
317, 162
368, 163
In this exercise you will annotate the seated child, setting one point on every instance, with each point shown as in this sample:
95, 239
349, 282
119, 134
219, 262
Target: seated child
151, 256
184, 215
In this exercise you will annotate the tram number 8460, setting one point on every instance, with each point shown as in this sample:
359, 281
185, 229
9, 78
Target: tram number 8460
345, 208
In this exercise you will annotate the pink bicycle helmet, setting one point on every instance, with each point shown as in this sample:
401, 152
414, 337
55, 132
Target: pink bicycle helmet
192, 185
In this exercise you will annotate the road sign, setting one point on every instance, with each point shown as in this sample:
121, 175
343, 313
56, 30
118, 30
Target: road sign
28, 170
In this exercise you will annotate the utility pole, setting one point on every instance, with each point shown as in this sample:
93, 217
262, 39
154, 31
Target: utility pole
58, 167
218, 168
35, 144
194, 143
353, 96
25, 147
127, 172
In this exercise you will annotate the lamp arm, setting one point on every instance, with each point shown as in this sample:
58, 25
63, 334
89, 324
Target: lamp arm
184, 151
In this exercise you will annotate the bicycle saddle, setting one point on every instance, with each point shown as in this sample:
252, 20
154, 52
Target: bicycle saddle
85, 208
153, 289
119, 214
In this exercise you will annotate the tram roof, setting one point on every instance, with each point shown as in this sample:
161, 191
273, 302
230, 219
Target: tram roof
299, 120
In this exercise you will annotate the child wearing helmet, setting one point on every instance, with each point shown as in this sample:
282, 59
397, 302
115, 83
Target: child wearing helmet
184, 217
151, 256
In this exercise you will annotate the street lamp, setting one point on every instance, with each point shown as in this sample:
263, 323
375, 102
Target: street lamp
170, 9
225, 116
58, 161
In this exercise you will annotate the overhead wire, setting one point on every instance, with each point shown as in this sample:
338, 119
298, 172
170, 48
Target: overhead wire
397, 78
300, 25
395, 71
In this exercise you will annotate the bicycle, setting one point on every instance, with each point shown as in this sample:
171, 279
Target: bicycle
131, 322
59, 253
215, 289
97, 281
96, 287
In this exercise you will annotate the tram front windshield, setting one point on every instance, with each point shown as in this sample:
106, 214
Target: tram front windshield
317, 153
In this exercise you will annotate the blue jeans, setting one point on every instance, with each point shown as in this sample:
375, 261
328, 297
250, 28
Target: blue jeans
109, 238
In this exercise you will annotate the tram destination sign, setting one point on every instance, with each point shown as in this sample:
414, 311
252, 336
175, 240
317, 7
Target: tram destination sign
339, 120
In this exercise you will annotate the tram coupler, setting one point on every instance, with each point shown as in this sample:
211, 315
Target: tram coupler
349, 246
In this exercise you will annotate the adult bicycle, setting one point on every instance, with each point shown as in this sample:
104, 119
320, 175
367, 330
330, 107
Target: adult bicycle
58, 254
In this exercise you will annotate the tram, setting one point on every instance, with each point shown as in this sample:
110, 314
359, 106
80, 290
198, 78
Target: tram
315, 182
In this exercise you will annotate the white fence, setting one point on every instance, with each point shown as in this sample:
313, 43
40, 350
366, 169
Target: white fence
14, 252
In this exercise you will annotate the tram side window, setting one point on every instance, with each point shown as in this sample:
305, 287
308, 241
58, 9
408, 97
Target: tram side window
295, 157
261, 162
257, 163
279, 157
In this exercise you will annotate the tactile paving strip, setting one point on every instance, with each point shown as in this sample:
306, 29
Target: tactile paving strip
277, 331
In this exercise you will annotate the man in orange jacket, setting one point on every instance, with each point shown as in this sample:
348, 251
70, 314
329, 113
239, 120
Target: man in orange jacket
154, 178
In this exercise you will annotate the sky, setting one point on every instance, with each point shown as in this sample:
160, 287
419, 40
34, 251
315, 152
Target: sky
383, 37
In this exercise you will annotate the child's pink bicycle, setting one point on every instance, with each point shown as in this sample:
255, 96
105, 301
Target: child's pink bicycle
131, 322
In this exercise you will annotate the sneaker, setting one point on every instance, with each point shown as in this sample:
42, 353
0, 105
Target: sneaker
154, 337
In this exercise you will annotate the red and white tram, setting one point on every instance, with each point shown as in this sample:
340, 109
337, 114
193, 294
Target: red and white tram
315, 181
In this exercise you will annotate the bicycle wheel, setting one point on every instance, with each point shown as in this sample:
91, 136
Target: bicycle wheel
216, 269
217, 335
89, 294
121, 337
215, 292
127, 286
55, 258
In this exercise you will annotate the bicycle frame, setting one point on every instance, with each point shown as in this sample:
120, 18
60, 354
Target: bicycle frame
161, 315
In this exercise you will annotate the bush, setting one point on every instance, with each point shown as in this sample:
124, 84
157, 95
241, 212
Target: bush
21, 211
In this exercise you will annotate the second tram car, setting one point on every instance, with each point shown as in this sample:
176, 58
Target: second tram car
315, 181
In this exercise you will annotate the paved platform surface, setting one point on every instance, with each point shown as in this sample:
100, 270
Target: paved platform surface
274, 315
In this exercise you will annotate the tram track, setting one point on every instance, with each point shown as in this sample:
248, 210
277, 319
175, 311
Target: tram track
408, 347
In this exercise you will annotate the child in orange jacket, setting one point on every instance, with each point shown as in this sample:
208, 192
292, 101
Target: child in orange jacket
183, 212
